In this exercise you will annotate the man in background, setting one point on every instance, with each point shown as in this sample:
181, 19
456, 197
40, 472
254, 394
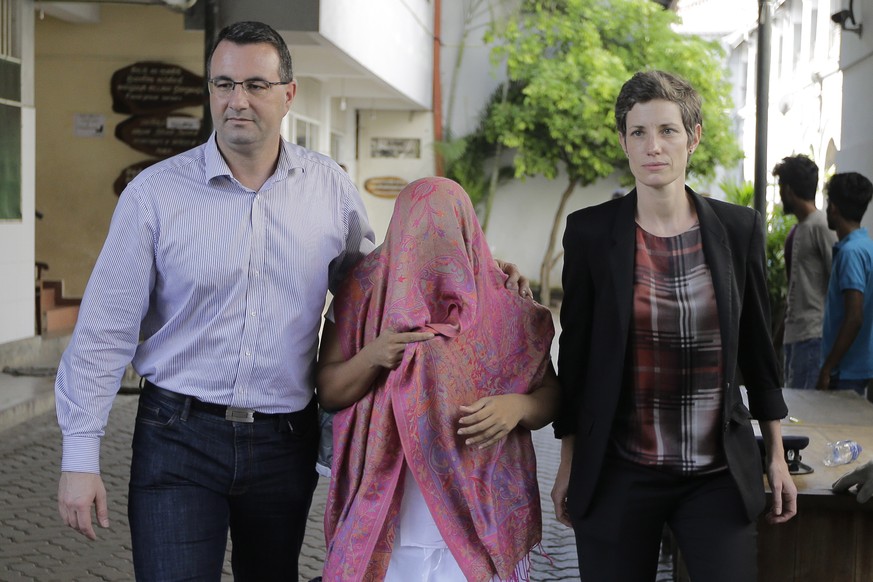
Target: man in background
847, 339
808, 266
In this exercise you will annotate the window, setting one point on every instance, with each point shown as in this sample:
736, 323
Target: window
301, 130
10, 111
10, 43
813, 30
336, 146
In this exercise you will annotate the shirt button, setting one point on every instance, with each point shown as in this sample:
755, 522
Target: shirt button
253, 313
248, 353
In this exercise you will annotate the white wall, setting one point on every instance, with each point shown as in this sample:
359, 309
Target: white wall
856, 61
17, 307
522, 217
390, 124
393, 39
477, 78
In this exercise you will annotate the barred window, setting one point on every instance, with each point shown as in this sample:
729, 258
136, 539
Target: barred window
10, 111
10, 43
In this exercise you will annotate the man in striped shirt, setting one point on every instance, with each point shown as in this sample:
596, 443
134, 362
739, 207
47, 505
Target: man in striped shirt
219, 259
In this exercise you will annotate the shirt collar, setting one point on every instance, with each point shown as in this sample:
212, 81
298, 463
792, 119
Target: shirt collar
861, 232
216, 165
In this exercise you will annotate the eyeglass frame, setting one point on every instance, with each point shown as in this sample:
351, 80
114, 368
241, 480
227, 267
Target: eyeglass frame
212, 83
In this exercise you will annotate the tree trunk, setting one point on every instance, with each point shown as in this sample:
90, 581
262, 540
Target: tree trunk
495, 172
550, 257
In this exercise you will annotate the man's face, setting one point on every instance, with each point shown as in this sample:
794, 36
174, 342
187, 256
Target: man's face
246, 123
831, 213
786, 194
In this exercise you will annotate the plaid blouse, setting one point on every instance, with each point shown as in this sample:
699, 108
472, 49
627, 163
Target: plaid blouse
670, 410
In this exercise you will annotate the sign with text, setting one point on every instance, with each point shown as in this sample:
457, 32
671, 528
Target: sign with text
161, 135
385, 186
152, 87
129, 173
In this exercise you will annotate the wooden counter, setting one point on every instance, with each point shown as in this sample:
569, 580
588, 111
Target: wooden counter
831, 538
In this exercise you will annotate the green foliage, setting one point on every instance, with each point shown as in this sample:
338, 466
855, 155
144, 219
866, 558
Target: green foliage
778, 226
567, 61
740, 194
470, 160
464, 163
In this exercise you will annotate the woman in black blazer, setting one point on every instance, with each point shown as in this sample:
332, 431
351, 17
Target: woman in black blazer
664, 295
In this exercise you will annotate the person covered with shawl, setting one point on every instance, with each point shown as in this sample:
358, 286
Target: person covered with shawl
439, 373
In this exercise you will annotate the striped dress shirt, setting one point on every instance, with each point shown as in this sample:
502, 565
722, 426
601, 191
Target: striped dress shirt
225, 287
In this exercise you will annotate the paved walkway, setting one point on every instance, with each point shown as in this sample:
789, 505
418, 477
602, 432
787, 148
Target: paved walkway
35, 546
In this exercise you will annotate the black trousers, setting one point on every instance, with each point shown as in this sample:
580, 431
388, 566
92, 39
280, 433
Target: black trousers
619, 538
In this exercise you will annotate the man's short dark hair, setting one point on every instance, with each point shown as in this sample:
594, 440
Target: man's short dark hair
800, 174
647, 86
251, 32
851, 192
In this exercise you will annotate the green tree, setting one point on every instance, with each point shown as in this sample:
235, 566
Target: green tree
474, 160
566, 61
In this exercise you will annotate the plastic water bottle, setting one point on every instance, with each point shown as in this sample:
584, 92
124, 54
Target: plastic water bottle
841, 453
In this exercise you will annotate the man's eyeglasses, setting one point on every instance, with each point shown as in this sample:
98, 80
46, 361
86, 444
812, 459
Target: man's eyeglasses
252, 87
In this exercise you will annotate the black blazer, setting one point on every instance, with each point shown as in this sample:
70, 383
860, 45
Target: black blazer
595, 317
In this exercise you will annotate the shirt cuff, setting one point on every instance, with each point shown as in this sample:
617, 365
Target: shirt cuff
81, 454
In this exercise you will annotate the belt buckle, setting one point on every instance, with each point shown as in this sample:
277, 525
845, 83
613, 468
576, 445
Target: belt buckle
235, 414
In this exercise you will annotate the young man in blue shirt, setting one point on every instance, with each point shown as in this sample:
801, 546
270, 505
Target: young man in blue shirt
847, 336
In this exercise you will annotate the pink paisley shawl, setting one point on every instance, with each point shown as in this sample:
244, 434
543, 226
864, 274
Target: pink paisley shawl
435, 272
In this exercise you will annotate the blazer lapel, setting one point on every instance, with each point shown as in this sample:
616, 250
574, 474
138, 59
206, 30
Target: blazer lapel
720, 261
621, 258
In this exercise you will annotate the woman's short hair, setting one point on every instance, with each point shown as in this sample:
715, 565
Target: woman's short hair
647, 86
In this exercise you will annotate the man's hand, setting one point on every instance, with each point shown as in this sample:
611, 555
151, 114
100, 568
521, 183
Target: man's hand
77, 494
862, 477
824, 379
515, 281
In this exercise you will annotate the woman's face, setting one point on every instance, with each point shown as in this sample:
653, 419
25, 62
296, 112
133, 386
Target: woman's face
656, 144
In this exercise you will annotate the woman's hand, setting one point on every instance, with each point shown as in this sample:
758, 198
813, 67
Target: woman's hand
491, 418
784, 493
340, 382
561, 488
781, 485
386, 351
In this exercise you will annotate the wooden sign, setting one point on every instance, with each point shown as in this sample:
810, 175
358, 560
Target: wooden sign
153, 87
385, 186
162, 135
128, 174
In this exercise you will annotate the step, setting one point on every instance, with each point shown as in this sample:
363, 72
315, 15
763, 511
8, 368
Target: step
24, 397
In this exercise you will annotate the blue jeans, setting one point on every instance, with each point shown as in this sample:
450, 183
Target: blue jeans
194, 475
802, 363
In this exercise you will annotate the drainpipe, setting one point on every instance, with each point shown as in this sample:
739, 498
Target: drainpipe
437, 87
762, 106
